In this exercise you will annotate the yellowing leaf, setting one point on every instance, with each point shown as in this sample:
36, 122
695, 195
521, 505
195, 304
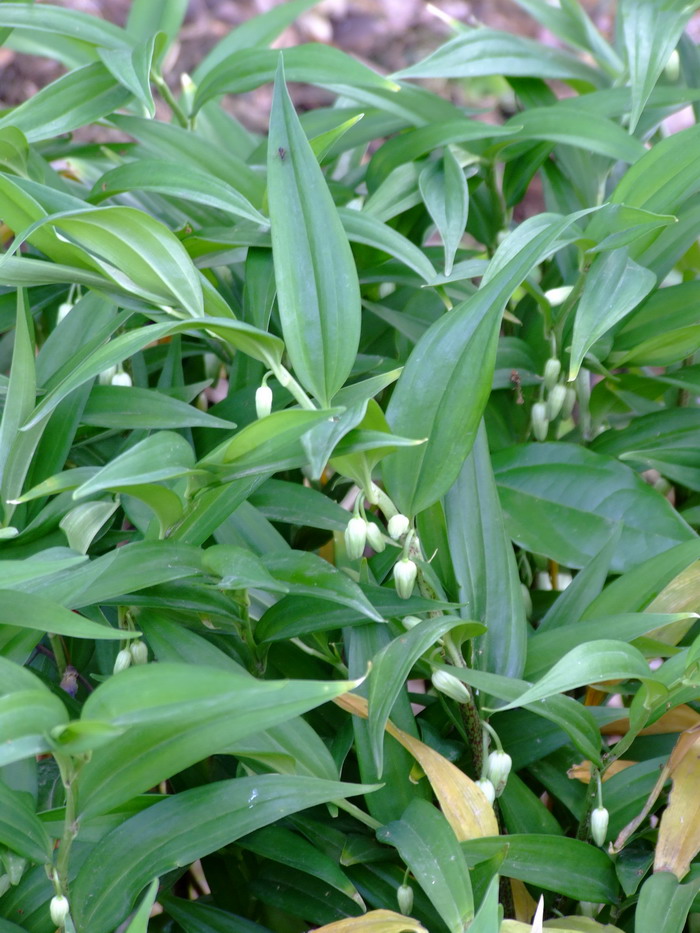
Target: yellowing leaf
524, 903
675, 720
582, 771
687, 741
465, 807
376, 921
682, 594
679, 832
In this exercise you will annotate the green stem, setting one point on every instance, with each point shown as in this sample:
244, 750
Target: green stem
378, 497
357, 813
287, 380
58, 653
69, 771
167, 96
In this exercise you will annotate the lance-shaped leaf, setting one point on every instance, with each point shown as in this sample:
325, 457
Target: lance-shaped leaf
391, 666
175, 181
429, 847
178, 714
165, 455
21, 389
181, 829
317, 288
444, 190
590, 663
679, 833
20, 828
443, 389
484, 564
650, 31
614, 286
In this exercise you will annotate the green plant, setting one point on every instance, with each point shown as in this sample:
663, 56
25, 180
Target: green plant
524, 383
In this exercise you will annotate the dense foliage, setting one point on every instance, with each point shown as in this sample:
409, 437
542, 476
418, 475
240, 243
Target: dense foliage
302, 440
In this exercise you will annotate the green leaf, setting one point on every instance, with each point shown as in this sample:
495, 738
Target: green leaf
571, 125
588, 663
26, 716
20, 828
147, 17
548, 490
444, 190
131, 407
364, 228
29, 610
314, 63
177, 145
546, 648
170, 730
258, 31
240, 570
317, 288
445, 401
484, 564
663, 178
161, 456
139, 922
650, 32
182, 829
80, 97
490, 52
571, 717
614, 287
82, 524
71, 23
282, 845
280, 501
309, 575
294, 615
583, 872
176, 181
21, 392
391, 666
664, 903
132, 69
196, 917
429, 847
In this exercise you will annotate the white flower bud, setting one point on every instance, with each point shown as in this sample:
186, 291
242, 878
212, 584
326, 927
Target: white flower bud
497, 770
487, 789
122, 661
139, 652
356, 537
121, 378
569, 403
375, 538
540, 422
404, 897
106, 376
63, 310
59, 908
599, 825
555, 401
527, 600
398, 526
263, 401
449, 685
552, 368
557, 296
405, 572
673, 66
410, 622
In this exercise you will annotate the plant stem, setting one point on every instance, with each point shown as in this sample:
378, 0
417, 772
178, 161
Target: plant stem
357, 813
69, 771
169, 99
58, 653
